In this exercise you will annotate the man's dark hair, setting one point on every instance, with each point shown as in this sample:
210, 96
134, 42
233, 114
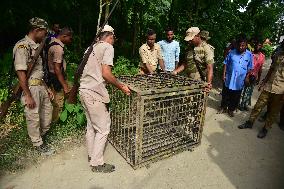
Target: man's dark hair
169, 29
32, 28
66, 31
241, 38
104, 34
150, 32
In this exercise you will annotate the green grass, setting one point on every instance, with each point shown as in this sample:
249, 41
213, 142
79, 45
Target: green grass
16, 149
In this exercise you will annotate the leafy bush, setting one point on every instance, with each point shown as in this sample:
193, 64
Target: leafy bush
75, 111
124, 66
4, 93
70, 70
6, 62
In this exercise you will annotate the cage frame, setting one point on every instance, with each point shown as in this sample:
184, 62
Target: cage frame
142, 95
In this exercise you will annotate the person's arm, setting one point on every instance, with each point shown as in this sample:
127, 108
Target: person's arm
250, 64
177, 53
209, 73
57, 61
225, 63
260, 71
60, 77
209, 58
160, 57
162, 65
107, 63
30, 102
179, 69
110, 78
21, 66
224, 72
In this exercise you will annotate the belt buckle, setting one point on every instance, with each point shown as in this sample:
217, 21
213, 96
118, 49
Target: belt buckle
35, 82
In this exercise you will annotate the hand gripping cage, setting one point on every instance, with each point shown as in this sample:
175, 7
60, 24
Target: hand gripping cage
163, 116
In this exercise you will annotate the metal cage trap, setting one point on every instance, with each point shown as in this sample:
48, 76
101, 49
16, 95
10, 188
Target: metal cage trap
164, 115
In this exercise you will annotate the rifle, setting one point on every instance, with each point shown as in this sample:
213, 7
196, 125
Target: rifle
72, 97
198, 68
17, 90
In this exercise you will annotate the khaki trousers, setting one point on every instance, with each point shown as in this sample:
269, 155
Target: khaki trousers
57, 103
194, 76
98, 127
38, 119
275, 102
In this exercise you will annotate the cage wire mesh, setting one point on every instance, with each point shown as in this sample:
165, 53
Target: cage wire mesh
163, 115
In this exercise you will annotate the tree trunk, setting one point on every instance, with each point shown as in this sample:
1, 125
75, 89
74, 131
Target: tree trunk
107, 10
100, 15
135, 25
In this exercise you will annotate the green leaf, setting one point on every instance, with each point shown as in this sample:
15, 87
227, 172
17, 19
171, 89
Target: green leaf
63, 116
80, 118
70, 107
77, 108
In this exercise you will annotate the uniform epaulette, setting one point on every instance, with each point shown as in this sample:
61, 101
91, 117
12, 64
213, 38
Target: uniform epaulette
211, 46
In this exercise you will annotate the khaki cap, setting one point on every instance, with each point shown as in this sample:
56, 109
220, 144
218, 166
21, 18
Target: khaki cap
108, 28
205, 34
38, 23
191, 32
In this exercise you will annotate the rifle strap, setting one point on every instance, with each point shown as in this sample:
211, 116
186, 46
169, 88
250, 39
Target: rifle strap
198, 67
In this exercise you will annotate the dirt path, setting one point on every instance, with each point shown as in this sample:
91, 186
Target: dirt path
227, 158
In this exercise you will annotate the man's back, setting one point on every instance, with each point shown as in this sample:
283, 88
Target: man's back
92, 79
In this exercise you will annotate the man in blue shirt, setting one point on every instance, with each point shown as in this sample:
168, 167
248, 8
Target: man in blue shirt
170, 51
236, 67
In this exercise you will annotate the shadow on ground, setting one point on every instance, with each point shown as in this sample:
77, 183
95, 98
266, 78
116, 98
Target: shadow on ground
248, 162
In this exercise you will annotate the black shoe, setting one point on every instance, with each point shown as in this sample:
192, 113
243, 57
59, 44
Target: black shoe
246, 125
231, 113
44, 150
262, 133
105, 168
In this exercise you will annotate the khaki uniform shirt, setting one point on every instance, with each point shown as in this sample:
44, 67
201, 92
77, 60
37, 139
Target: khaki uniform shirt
275, 83
151, 57
23, 52
92, 81
56, 55
204, 55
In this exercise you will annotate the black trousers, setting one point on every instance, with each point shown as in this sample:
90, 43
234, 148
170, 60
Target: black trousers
230, 98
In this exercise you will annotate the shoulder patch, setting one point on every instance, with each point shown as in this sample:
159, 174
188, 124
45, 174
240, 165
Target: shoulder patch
22, 46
